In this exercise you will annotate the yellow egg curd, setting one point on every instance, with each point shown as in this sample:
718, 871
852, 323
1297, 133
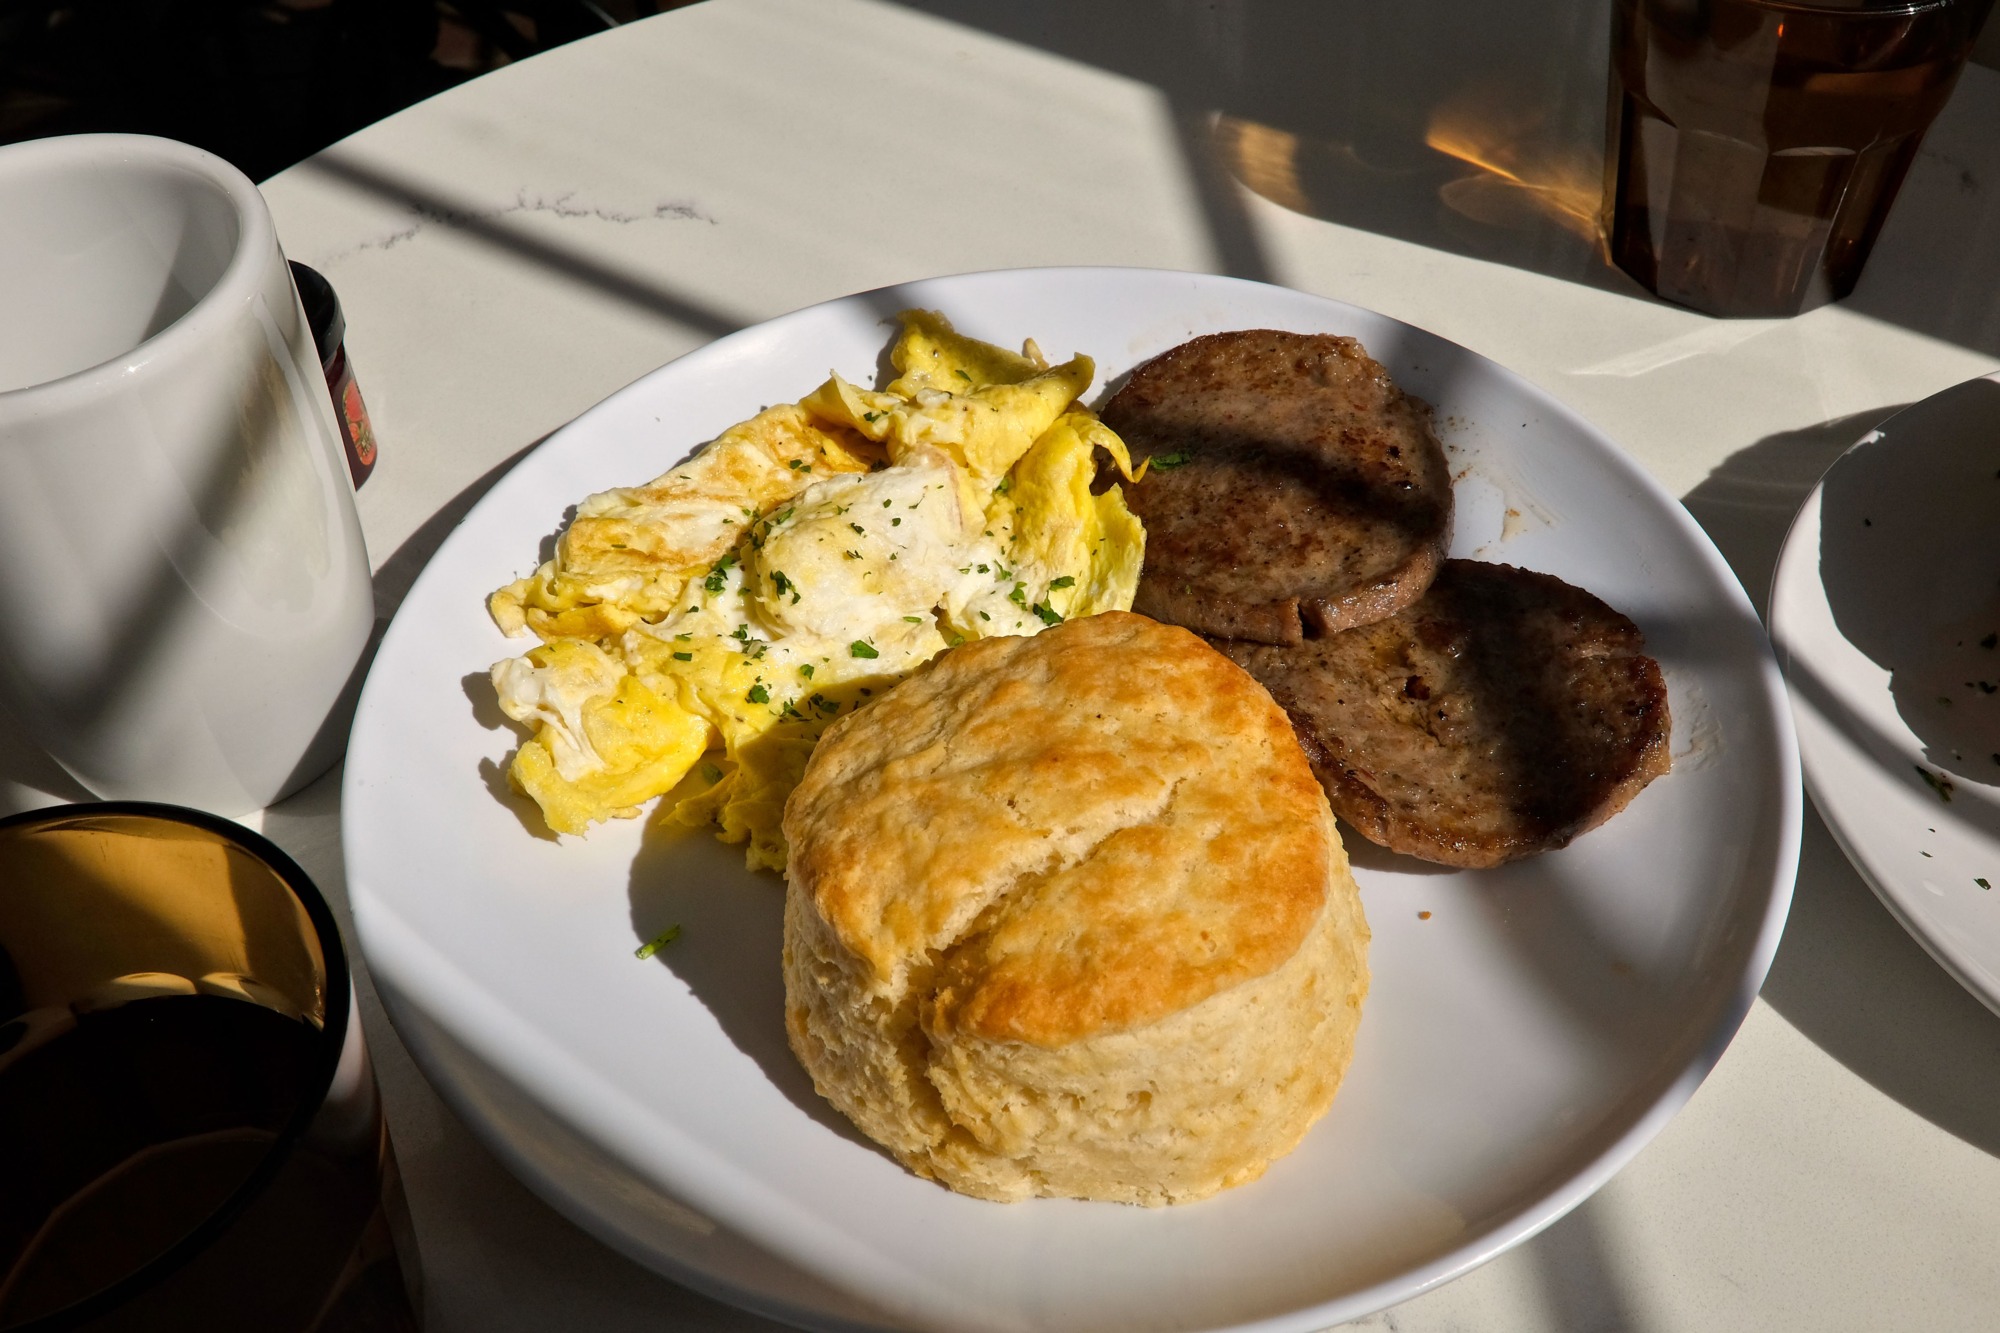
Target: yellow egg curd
699, 632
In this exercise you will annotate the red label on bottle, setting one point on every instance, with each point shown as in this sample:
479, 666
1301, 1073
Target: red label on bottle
355, 431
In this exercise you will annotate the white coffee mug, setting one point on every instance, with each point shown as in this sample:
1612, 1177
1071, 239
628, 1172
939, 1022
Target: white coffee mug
187, 589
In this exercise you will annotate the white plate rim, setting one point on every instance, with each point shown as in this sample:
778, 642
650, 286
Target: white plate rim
399, 966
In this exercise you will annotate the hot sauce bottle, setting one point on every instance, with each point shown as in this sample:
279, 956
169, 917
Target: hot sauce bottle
329, 329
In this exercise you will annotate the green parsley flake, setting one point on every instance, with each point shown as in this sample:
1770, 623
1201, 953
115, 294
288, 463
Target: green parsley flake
758, 694
1020, 595
862, 648
683, 657
657, 943
717, 578
711, 774
914, 620
895, 522
962, 375
1064, 582
683, 638
1006, 484
871, 416
1168, 462
800, 465
780, 582
858, 528
806, 670
1048, 615
1981, 883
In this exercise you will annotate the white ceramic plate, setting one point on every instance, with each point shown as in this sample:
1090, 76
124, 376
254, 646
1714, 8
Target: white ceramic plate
1528, 1031
1883, 601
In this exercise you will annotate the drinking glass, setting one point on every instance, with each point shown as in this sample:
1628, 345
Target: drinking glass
190, 1135
1754, 146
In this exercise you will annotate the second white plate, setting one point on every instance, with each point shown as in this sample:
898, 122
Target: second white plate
1528, 1031
1886, 611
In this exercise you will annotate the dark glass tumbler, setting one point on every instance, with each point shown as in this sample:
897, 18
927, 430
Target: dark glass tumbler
1754, 146
190, 1136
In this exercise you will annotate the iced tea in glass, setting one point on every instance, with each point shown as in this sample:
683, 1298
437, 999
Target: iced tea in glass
1754, 146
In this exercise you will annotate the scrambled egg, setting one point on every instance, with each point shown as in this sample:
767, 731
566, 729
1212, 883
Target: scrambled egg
700, 632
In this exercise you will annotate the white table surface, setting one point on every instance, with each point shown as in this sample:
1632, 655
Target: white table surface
514, 250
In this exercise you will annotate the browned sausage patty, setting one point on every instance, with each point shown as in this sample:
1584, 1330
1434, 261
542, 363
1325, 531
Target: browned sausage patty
1294, 488
1500, 715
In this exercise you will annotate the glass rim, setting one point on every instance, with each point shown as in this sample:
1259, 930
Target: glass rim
1862, 8
332, 1041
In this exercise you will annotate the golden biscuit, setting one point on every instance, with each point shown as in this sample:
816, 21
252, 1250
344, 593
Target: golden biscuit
1068, 915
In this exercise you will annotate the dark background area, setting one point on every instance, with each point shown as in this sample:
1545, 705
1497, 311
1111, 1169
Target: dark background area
263, 83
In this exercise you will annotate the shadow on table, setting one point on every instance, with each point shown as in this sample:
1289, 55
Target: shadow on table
1577, 1275
1746, 505
1854, 982
395, 576
1847, 975
1474, 129
29, 778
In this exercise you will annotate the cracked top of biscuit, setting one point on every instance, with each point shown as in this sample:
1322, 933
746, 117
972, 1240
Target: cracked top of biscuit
1065, 835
